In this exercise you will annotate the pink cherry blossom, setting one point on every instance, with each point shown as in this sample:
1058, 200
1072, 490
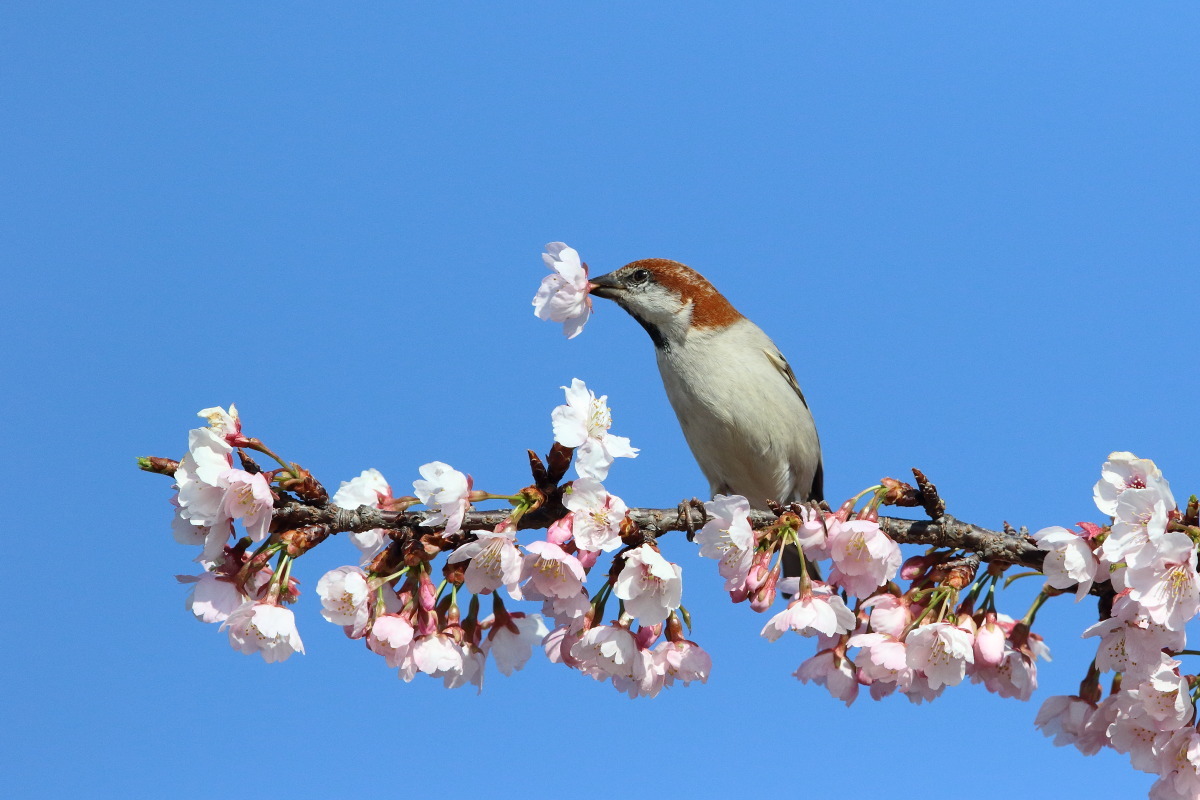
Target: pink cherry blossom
1178, 766
889, 614
818, 611
512, 644
833, 671
1141, 519
651, 586
563, 296
225, 424
597, 515
1129, 642
436, 654
495, 560
213, 597
941, 651
248, 498
605, 651
200, 493
728, 537
1161, 702
814, 533
565, 609
1065, 718
549, 571
864, 557
446, 490
346, 599
1015, 676
1162, 579
369, 489
989, 643
583, 424
391, 636
263, 628
682, 661
1126, 472
1069, 560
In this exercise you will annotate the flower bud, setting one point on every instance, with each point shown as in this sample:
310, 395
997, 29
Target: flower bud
914, 568
762, 599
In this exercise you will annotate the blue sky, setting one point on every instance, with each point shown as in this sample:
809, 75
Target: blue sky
972, 231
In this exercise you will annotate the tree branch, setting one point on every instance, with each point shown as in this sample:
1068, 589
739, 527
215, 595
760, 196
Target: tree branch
1012, 547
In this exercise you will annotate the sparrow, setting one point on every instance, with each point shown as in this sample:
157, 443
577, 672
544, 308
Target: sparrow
739, 405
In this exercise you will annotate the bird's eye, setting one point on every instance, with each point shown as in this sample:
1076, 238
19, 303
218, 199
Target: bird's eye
639, 276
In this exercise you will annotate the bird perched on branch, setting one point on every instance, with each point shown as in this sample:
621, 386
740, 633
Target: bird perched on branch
737, 400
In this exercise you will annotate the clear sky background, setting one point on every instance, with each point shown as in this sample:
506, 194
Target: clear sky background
972, 231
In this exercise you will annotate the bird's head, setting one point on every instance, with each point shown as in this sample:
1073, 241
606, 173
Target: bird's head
667, 298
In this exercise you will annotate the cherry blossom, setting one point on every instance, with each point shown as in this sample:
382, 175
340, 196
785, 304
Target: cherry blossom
248, 498
941, 651
605, 651
728, 537
1162, 578
264, 628
1129, 642
1069, 560
370, 489
511, 644
583, 424
225, 424
597, 515
391, 636
1066, 718
1125, 472
1178, 766
864, 557
814, 533
495, 560
833, 671
549, 571
1141, 518
889, 614
346, 599
682, 661
436, 654
818, 611
213, 597
200, 493
445, 489
650, 585
563, 296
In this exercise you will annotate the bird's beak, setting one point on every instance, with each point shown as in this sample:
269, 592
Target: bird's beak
605, 286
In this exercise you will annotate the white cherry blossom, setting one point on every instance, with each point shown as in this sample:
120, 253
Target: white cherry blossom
446, 490
597, 515
728, 537
263, 628
651, 586
583, 424
564, 294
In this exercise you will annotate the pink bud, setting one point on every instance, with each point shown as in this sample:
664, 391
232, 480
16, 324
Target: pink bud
989, 642
645, 636
759, 569
762, 599
587, 558
426, 593
559, 532
914, 568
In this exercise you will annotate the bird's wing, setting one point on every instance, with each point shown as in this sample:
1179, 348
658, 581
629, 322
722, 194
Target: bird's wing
785, 369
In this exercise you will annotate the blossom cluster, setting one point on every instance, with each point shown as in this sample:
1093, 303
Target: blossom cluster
391, 600
869, 632
1148, 554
